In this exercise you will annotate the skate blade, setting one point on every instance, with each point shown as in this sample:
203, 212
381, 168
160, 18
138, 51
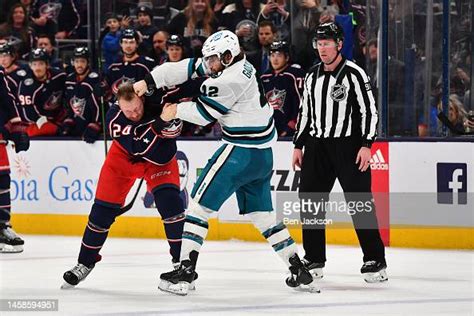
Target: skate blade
311, 288
67, 286
5, 248
181, 288
377, 277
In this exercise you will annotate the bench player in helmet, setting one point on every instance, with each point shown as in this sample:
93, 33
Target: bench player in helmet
82, 95
283, 85
11, 128
243, 165
40, 95
14, 72
132, 67
143, 146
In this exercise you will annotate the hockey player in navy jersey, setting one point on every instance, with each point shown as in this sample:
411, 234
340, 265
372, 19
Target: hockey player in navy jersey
83, 91
14, 71
11, 128
283, 86
243, 165
40, 96
132, 67
143, 146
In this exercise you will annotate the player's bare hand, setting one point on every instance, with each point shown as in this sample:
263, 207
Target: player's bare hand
169, 112
140, 87
363, 159
297, 159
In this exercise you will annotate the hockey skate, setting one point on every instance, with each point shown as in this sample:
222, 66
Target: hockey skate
315, 268
374, 271
77, 274
300, 278
10, 242
180, 280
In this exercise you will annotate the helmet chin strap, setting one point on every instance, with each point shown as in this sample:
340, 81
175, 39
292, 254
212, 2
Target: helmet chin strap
334, 59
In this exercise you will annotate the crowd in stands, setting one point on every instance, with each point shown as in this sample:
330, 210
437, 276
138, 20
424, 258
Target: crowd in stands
68, 97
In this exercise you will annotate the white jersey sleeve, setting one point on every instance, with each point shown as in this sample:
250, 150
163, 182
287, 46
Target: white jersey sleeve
175, 73
218, 100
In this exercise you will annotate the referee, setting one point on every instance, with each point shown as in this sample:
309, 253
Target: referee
336, 127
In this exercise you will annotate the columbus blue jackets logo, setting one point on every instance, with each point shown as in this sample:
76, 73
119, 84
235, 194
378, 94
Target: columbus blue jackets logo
54, 101
338, 92
276, 98
78, 105
51, 10
118, 82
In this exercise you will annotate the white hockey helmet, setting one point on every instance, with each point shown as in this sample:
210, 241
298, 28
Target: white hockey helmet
219, 43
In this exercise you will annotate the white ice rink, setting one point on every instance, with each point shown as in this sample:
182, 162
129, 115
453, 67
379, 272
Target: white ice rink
236, 278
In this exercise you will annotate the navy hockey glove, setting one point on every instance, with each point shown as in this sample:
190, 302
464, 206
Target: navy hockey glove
16, 132
91, 133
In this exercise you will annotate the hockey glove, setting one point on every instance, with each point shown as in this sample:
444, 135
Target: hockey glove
16, 132
91, 133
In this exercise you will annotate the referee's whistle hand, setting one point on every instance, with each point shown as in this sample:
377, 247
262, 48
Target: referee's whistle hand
297, 158
363, 159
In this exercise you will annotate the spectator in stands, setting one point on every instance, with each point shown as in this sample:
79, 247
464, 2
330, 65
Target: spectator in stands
82, 96
146, 28
283, 87
40, 95
48, 43
234, 13
175, 48
5, 6
111, 41
260, 59
57, 18
159, 47
195, 24
457, 116
19, 31
278, 12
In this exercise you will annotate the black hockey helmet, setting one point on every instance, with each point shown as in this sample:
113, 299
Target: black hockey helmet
328, 30
39, 54
7, 49
174, 40
280, 46
145, 9
131, 34
81, 52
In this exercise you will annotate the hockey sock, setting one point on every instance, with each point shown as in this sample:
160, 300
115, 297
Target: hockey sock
195, 229
276, 234
170, 207
95, 234
5, 203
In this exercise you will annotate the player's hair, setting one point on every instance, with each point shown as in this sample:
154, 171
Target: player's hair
125, 91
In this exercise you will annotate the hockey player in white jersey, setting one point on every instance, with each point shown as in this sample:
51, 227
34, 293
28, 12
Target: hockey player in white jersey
243, 165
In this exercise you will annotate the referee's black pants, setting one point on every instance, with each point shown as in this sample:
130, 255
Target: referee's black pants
325, 160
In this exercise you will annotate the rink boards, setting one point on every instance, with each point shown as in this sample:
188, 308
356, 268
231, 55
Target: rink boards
424, 194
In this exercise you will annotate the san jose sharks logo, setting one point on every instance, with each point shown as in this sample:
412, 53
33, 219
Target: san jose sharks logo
118, 82
54, 101
78, 106
276, 98
51, 10
338, 92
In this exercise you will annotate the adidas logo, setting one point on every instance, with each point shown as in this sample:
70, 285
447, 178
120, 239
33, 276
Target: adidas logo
377, 162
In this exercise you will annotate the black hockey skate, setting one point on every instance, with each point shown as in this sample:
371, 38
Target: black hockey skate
374, 271
180, 280
315, 268
10, 242
300, 278
77, 274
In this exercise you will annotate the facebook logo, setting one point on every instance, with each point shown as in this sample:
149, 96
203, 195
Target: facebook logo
452, 183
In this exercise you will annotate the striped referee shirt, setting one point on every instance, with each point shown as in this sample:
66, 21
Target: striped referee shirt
337, 104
